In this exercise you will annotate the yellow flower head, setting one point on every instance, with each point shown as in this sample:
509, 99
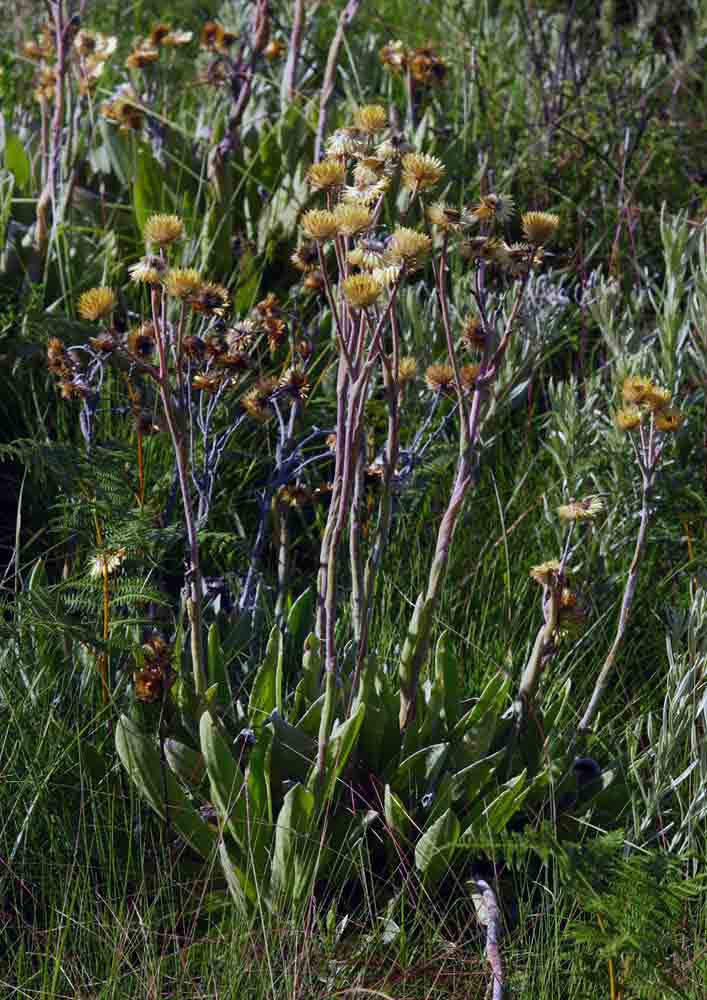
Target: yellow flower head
658, 398
628, 418
421, 171
668, 421
468, 375
256, 401
319, 225
540, 227
352, 219
329, 173
182, 282
445, 217
163, 230
407, 370
371, 118
361, 290
408, 246
97, 303
637, 389
582, 510
440, 378
547, 573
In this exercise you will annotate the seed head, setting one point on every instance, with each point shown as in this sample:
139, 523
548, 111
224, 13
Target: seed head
97, 303
305, 258
329, 173
106, 562
366, 194
387, 276
141, 340
393, 56
274, 50
493, 207
473, 333
182, 282
352, 219
361, 290
149, 270
371, 118
421, 171
208, 383
211, 299
294, 383
256, 402
104, 343
163, 230
539, 227
194, 348
142, 56
319, 225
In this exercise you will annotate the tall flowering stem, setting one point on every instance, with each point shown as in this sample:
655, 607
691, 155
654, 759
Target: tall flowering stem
193, 586
648, 457
470, 423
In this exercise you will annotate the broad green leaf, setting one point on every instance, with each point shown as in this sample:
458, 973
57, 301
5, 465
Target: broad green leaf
225, 779
216, 667
418, 773
156, 783
299, 619
292, 753
296, 846
475, 731
436, 846
149, 186
188, 764
242, 890
447, 677
396, 816
266, 694
469, 783
15, 160
336, 757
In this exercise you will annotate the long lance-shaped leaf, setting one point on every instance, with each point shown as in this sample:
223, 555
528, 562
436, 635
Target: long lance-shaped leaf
337, 755
296, 846
409, 668
225, 779
160, 788
187, 763
436, 847
266, 694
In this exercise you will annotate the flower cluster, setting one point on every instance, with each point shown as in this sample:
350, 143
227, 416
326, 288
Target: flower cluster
426, 68
643, 400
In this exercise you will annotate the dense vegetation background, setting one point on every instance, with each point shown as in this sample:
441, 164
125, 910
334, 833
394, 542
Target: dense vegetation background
591, 110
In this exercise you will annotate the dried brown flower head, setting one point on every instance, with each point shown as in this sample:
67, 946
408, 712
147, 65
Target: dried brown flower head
97, 303
211, 299
493, 207
305, 258
440, 378
445, 217
294, 495
473, 333
468, 375
95, 45
256, 401
124, 110
104, 343
141, 340
393, 56
194, 348
149, 270
214, 36
314, 283
142, 57
158, 33
426, 67
294, 383
208, 383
